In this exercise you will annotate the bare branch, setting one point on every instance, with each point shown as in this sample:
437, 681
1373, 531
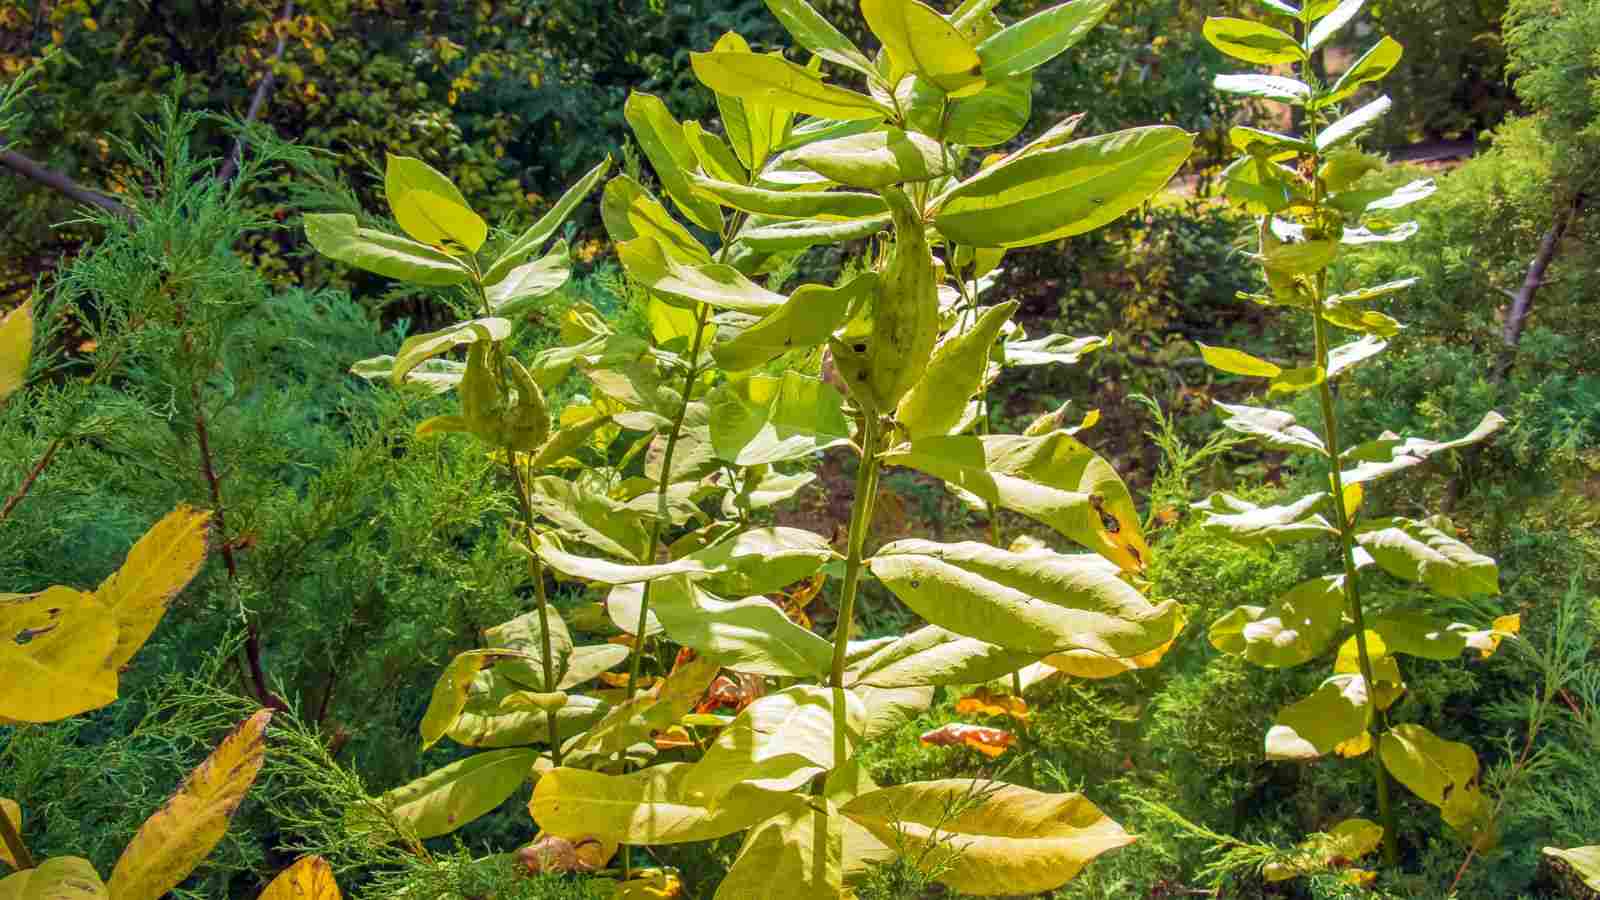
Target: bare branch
259, 99
31, 170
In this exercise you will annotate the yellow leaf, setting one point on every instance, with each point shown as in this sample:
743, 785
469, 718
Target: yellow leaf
991, 742
16, 343
984, 702
450, 693
430, 208
1083, 663
178, 837
58, 878
12, 810
157, 568
310, 878
53, 651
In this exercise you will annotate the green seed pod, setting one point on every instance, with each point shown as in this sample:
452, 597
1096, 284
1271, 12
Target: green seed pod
526, 424
482, 398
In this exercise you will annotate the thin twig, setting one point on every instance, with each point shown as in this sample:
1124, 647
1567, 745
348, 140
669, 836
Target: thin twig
33, 171
259, 99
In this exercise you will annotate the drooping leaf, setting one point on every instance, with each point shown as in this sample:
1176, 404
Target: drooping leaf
1248, 524
1330, 24
991, 742
462, 792
1253, 42
1052, 349
813, 32
717, 285
525, 635
54, 651
1390, 454
956, 371
933, 656
1426, 553
875, 159
1035, 601
16, 348
548, 224
749, 635
1036, 40
631, 212
1444, 773
1419, 634
1334, 717
57, 878
918, 39
420, 348
157, 568
340, 237
430, 207
776, 82
1007, 839
1293, 629
1096, 666
807, 319
650, 806
1050, 194
1052, 478
765, 419
800, 235
590, 661
449, 696
595, 519
181, 834
661, 138
1352, 125
1276, 429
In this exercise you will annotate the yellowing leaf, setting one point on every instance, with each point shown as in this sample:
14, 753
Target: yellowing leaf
450, 694
984, 702
157, 568
16, 346
12, 810
1008, 839
796, 853
1238, 362
179, 836
310, 878
54, 646
1095, 666
991, 742
651, 806
430, 208
919, 40
442, 801
57, 878
1342, 844
1584, 860
552, 853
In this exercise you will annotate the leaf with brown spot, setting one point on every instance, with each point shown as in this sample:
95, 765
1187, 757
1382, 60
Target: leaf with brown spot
177, 838
991, 742
310, 878
157, 568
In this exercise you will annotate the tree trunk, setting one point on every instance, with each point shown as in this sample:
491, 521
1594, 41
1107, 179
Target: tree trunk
1522, 300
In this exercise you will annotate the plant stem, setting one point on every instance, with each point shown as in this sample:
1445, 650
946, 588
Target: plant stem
1352, 591
661, 494
536, 572
860, 523
13, 842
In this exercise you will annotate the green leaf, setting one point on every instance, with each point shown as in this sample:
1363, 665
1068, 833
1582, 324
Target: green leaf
1419, 634
1006, 839
420, 348
1338, 848
1352, 125
54, 649
661, 138
1293, 629
1334, 717
339, 237
435, 376
1040, 38
450, 693
761, 490
1052, 349
1036, 601
751, 635
545, 228
602, 522
631, 212
429, 207
525, 636
462, 792
935, 406
988, 118
1238, 362
787, 236
1252, 42
497, 715
796, 853
875, 159
1425, 553
1584, 860
765, 419
1052, 478
813, 32
1444, 773
1330, 25
752, 562
827, 206
1271, 427
651, 806
918, 39
589, 662
1246, 523
719, 286
1266, 87
716, 158
527, 284
755, 130
1275, 147
16, 346
807, 319
1373, 65
1293, 381
932, 656
778, 743
57, 878
1392, 455
776, 82
1050, 194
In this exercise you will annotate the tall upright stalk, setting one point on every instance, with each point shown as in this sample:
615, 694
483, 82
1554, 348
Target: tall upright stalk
860, 524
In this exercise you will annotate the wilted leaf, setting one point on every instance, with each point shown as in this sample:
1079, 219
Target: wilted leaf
157, 568
934, 406
310, 878
54, 650
991, 742
1445, 774
1390, 454
550, 853
181, 834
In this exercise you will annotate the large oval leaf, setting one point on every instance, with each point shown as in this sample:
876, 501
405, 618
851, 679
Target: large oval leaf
1036, 40
1252, 42
768, 419
750, 635
1036, 601
1067, 190
54, 649
778, 743
1008, 839
442, 801
826, 206
1293, 629
918, 39
1424, 552
340, 237
630, 212
310, 878
651, 806
774, 81
875, 159
796, 853
932, 656
430, 207
16, 348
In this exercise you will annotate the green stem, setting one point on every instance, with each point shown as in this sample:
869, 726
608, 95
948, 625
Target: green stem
13, 842
663, 483
860, 523
536, 572
1352, 591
